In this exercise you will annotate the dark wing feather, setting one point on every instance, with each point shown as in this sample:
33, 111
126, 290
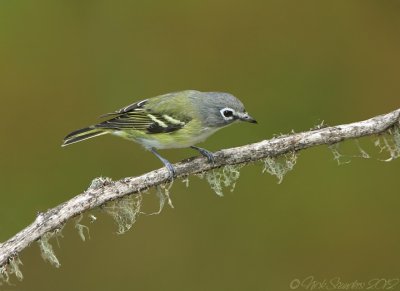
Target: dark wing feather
137, 117
135, 106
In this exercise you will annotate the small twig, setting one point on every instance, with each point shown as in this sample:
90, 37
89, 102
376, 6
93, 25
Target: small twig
99, 194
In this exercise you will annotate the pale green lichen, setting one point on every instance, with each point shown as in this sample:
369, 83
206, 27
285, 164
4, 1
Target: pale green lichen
46, 249
390, 143
92, 218
319, 126
124, 211
223, 178
280, 166
4, 276
337, 156
99, 182
387, 143
343, 159
363, 153
161, 198
164, 190
11, 268
81, 228
14, 264
186, 181
395, 132
163, 194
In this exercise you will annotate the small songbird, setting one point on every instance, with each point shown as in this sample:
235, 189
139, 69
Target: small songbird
175, 120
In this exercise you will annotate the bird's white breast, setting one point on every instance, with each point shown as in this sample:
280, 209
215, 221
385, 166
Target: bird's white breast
172, 143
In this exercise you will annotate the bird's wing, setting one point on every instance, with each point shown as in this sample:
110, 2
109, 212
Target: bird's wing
138, 117
134, 106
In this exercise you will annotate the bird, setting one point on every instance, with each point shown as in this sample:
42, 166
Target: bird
174, 120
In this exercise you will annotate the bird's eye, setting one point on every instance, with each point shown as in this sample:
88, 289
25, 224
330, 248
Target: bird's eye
228, 113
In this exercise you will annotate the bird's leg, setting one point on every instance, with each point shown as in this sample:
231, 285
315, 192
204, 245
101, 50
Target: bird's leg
168, 165
209, 155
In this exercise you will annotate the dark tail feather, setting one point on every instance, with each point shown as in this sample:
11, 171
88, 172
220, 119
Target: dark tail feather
82, 134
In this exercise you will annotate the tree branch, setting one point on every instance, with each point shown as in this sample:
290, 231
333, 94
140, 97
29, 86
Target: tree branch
99, 194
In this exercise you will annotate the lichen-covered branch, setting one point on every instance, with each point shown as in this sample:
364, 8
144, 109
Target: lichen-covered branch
104, 190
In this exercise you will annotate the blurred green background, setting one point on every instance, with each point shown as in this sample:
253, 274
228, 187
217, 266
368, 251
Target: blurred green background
293, 63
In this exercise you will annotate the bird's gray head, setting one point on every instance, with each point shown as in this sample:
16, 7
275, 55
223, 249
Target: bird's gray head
220, 109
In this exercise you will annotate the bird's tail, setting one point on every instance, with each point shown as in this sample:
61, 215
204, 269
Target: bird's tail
83, 134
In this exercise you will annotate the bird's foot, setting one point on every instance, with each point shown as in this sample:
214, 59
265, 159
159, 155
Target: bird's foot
209, 155
171, 170
167, 164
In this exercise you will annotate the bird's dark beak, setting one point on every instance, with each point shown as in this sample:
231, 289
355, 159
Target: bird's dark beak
246, 117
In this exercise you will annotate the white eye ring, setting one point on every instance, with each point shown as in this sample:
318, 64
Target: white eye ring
227, 113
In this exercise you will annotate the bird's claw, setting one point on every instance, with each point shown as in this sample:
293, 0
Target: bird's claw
168, 165
209, 155
171, 171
